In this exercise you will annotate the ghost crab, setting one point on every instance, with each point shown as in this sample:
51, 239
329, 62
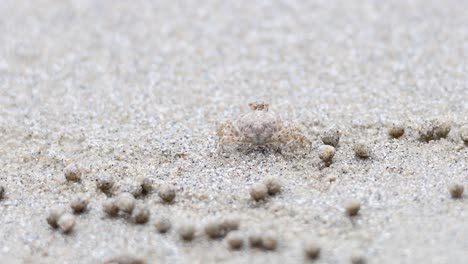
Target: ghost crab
261, 129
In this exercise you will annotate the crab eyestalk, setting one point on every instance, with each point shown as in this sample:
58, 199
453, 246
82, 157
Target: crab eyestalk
259, 106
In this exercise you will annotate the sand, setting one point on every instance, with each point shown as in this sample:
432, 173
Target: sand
137, 89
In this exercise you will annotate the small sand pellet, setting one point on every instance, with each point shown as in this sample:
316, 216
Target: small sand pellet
311, 250
110, 208
258, 191
396, 131
66, 222
141, 215
146, 185
456, 190
167, 193
105, 183
352, 208
79, 205
163, 225
255, 239
269, 241
125, 202
214, 229
273, 185
331, 137
72, 173
187, 232
361, 149
234, 240
54, 215
326, 153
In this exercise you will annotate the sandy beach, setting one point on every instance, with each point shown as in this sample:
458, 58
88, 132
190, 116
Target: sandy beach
137, 89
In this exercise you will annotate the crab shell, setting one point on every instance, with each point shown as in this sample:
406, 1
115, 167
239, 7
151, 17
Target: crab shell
259, 126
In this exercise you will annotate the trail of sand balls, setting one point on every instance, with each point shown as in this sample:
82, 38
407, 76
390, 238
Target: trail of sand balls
124, 204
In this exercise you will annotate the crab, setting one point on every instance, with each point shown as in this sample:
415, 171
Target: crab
261, 129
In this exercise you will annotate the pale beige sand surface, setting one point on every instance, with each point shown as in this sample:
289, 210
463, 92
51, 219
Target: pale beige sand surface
137, 88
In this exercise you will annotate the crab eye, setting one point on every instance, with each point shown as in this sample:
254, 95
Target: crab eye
260, 105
